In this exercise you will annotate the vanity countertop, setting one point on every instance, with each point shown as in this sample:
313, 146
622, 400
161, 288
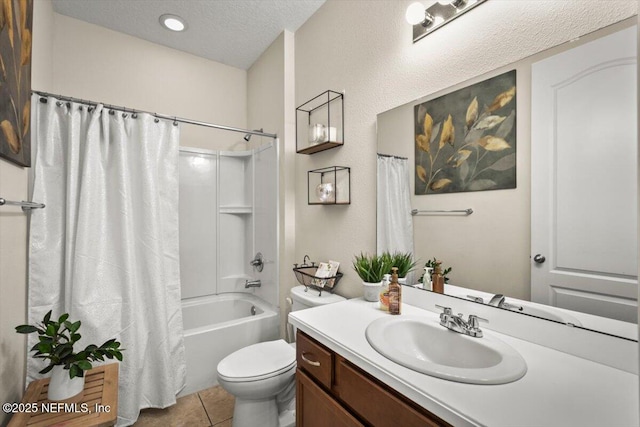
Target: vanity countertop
558, 389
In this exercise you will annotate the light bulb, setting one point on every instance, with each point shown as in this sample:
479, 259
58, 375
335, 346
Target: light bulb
415, 13
173, 22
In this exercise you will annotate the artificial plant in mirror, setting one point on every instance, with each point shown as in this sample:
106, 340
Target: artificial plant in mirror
466, 140
492, 249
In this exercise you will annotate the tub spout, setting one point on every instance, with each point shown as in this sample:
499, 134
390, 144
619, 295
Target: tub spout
252, 284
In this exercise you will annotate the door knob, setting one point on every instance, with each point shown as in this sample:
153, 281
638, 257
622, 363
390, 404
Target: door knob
539, 259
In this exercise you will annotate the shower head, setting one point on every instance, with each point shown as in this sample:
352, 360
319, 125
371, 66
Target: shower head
247, 137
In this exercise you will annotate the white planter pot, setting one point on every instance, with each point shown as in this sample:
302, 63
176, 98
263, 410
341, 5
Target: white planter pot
372, 291
61, 387
402, 280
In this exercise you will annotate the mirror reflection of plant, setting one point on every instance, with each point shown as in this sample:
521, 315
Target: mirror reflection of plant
403, 260
475, 141
56, 341
433, 263
371, 268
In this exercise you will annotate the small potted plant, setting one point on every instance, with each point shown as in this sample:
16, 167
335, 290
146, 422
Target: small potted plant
404, 261
371, 269
55, 344
429, 267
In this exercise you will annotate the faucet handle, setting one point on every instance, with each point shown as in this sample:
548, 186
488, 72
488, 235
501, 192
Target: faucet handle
476, 299
474, 321
445, 310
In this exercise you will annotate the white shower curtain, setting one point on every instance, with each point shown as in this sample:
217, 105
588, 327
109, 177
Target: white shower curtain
394, 223
105, 247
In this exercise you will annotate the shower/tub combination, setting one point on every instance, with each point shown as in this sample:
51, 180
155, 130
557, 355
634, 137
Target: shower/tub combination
228, 213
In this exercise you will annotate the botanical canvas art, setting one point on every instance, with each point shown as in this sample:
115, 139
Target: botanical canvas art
16, 18
466, 140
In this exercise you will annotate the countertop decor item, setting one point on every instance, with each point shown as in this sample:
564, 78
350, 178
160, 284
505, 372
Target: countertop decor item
403, 260
329, 186
324, 276
371, 269
432, 263
320, 123
56, 344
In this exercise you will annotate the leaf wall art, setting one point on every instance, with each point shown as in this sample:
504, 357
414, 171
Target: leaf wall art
466, 140
16, 18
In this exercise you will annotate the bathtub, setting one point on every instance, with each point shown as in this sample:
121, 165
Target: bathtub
217, 325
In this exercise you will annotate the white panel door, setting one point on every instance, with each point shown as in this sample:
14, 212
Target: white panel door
584, 178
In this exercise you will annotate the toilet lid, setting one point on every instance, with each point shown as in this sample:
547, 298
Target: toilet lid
258, 361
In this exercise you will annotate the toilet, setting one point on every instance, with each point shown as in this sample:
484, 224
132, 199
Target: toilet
262, 376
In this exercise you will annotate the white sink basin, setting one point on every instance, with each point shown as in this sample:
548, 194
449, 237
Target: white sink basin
425, 346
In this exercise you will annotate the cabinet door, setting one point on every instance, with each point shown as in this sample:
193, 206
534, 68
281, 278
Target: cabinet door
316, 408
375, 403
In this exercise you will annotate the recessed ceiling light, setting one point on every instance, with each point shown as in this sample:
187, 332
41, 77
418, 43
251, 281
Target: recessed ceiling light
173, 22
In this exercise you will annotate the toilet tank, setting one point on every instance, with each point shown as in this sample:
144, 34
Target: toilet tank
307, 298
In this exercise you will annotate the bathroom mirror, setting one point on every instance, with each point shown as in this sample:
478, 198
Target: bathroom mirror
490, 251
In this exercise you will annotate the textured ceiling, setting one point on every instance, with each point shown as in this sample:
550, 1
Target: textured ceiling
233, 32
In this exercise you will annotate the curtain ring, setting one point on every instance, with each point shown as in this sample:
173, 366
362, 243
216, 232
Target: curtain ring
156, 120
111, 112
124, 115
175, 121
134, 115
59, 104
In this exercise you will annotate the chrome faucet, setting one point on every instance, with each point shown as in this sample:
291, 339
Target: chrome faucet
498, 300
252, 284
458, 324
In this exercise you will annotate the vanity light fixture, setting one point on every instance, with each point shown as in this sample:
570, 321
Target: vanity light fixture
426, 20
173, 22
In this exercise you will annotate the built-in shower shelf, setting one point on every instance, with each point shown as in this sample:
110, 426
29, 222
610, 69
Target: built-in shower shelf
238, 210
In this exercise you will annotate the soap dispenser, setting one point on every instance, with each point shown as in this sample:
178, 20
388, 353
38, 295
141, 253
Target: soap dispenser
395, 293
437, 279
426, 279
384, 293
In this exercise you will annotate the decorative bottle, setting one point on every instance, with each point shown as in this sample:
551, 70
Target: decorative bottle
437, 279
395, 293
384, 293
426, 278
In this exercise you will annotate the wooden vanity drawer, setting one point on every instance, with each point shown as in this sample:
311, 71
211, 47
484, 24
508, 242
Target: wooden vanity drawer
315, 359
377, 405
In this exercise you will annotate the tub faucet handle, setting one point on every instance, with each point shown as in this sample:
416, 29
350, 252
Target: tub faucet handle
257, 262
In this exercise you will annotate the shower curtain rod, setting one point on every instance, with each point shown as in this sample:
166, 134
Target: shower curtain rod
160, 116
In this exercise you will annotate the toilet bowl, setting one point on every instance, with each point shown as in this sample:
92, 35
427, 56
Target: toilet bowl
262, 376
259, 376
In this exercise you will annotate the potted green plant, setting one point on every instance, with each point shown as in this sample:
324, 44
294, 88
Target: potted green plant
403, 260
56, 339
371, 269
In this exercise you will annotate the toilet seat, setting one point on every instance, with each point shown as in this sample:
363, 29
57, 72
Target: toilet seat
258, 362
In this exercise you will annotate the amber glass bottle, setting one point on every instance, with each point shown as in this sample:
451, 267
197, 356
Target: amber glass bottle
395, 293
437, 279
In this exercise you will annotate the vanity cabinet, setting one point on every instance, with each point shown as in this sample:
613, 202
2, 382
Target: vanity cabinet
331, 391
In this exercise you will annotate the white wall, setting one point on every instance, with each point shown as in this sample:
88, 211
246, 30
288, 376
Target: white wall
92, 62
270, 88
13, 230
365, 49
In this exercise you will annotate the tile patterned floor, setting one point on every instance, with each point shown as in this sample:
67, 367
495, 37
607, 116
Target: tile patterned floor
210, 407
